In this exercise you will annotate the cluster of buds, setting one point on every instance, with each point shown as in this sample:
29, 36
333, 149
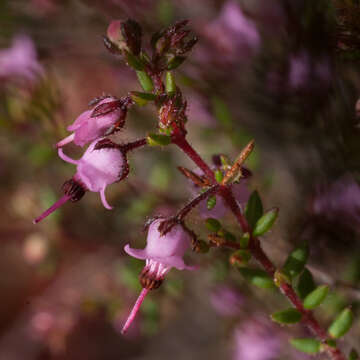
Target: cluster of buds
172, 44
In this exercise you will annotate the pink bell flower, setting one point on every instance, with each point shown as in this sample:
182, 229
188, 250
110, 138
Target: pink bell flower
95, 171
93, 124
162, 252
20, 60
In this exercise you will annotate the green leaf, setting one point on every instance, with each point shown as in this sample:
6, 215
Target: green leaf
305, 284
175, 62
306, 345
133, 61
342, 324
244, 240
158, 140
296, 261
142, 98
353, 355
316, 297
288, 316
265, 223
219, 175
145, 81
257, 277
253, 209
213, 224
222, 112
211, 202
170, 83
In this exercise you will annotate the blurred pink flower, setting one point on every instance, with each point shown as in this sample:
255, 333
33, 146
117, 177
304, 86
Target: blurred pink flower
95, 171
226, 300
304, 71
162, 252
87, 127
256, 340
197, 111
339, 202
20, 60
233, 35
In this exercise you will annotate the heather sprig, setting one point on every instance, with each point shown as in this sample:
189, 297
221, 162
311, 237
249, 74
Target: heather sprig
104, 162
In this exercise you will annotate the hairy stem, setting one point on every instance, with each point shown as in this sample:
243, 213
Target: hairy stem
182, 143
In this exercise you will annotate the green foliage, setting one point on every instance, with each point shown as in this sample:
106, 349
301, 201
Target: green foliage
158, 140
257, 277
306, 345
253, 209
316, 297
175, 62
219, 176
211, 202
240, 257
244, 240
145, 81
222, 112
213, 224
287, 317
342, 324
265, 223
170, 84
353, 355
134, 62
142, 98
305, 284
296, 261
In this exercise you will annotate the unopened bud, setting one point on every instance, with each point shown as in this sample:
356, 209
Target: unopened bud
126, 35
240, 258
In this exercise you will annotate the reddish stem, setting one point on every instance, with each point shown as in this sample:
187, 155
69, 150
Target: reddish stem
257, 252
133, 145
182, 143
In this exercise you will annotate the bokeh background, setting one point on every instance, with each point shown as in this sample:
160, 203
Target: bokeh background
285, 72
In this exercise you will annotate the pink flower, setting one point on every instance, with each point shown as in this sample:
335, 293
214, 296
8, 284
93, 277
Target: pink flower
95, 171
226, 300
162, 252
339, 202
305, 71
233, 34
90, 126
20, 60
256, 340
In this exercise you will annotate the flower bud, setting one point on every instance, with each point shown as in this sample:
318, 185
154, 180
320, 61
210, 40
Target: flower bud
126, 35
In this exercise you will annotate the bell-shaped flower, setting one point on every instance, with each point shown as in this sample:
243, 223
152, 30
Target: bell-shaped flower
96, 169
94, 123
162, 252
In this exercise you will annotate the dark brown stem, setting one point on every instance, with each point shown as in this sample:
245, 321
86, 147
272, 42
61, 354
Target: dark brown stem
257, 252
